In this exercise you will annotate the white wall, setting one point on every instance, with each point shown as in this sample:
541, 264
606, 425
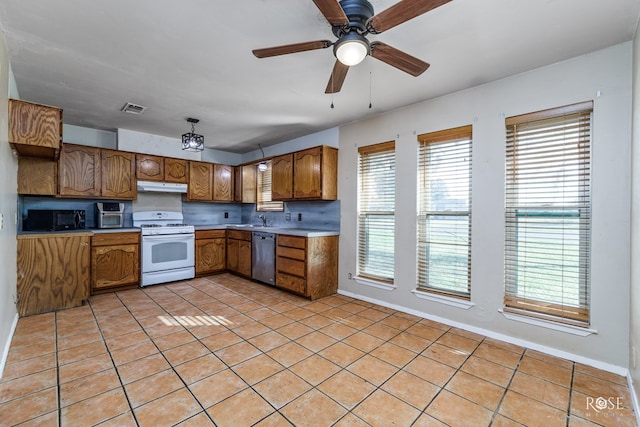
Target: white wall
485, 107
8, 209
88, 136
635, 219
325, 137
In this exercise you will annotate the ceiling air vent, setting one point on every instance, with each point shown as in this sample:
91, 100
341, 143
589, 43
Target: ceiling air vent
133, 108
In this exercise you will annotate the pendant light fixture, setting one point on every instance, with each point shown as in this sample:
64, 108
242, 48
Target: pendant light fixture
191, 141
262, 166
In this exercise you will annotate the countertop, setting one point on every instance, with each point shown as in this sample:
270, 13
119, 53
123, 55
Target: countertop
83, 230
304, 232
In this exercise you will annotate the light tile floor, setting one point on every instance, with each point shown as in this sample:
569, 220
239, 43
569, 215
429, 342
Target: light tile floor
229, 352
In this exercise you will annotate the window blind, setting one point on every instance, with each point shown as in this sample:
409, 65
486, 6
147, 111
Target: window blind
376, 211
444, 217
548, 213
263, 196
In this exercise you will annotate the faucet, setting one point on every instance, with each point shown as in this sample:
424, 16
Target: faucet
263, 217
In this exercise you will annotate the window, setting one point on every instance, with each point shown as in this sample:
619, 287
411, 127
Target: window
376, 208
548, 214
444, 217
264, 203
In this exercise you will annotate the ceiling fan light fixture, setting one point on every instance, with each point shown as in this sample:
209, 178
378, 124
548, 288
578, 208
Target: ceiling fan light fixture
262, 166
191, 141
351, 49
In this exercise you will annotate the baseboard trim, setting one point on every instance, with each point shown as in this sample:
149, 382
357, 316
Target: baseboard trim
619, 370
634, 398
7, 345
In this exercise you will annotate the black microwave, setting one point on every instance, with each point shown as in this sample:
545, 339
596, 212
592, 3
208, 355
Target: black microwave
54, 220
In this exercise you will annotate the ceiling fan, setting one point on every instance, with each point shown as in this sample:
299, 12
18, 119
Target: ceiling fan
351, 21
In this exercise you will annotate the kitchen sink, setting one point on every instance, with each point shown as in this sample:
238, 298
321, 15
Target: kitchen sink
241, 225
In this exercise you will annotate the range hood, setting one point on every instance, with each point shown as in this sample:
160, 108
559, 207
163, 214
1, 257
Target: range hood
161, 187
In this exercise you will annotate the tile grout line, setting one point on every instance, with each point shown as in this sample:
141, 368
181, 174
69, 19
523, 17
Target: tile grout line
115, 368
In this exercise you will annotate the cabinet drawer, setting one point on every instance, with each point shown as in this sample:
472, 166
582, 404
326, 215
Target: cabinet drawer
105, 239
290, 266
294, 253
210, 234
292, 241
292, 283
239, 235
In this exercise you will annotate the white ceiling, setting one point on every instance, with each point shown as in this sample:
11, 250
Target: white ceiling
192, 58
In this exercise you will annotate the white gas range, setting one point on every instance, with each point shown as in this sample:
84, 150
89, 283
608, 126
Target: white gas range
167, 247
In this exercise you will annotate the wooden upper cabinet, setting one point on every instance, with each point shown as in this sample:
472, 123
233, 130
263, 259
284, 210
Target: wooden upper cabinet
245, 184
249, 183
176, 170
200, 181
118, 175
282, 177
149, 168
80, 171
315, 173
35, 129
222, 183
37, 176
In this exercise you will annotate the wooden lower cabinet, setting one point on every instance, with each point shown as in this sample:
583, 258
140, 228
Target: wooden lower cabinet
210, 251
53, 272
307, 265
239, 252
115, 261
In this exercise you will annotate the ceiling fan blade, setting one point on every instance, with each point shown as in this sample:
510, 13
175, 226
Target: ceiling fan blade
401, 12
338, 75
332, 10
399, 59
291, 48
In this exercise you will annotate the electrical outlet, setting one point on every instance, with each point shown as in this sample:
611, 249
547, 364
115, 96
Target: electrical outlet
1, 221
226, 214
299, 217
350, 276
287, 216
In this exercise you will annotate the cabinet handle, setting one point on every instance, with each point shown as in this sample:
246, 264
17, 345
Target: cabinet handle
84, 244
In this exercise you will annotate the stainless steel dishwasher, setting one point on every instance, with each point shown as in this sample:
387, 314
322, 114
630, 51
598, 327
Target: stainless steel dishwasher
263, 257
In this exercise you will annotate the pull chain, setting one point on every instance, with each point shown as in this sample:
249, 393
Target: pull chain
370, 79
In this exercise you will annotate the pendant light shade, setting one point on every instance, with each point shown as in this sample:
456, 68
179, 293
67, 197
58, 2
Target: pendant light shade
191, 141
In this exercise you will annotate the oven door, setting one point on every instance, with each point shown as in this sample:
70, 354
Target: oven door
167, 252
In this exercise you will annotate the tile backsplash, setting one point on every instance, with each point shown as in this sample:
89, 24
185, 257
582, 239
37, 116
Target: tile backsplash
313, 214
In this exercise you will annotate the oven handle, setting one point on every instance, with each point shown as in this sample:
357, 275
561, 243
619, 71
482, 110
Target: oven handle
172, 237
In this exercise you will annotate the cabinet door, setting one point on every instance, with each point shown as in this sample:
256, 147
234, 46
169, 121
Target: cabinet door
176, 170
34, 129
53, 272
307, 181
244, 258
116, 265
222, 183
210, 256
249, 184
282, 177
233, 246
149, 168
118, 175
200, 181
80, 171
37, 176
